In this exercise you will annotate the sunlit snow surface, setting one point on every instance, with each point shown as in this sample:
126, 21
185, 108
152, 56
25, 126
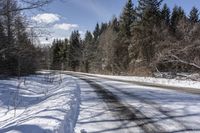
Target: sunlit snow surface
43, 104
169, 110
53, 107
151, 80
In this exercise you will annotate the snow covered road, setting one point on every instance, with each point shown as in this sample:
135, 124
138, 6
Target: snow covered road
114, 106
100, 111
50, 102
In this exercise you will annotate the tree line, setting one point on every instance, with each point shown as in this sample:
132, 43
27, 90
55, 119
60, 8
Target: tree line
144, 39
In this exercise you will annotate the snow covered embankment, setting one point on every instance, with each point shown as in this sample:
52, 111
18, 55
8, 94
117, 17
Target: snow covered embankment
149, 80
41, 103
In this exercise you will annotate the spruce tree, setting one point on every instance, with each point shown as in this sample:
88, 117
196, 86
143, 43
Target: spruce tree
194, 15
96, 32
143, 32
103, 28
56, 57
2, 38
165, 14
88, 51
25, 50
149, 11
66, 52
115, 24
75, 52
177, 14
60, 54
126, 19
2, 48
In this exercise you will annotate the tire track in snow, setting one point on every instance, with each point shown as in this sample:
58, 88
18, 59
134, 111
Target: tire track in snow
155, 106
120, 110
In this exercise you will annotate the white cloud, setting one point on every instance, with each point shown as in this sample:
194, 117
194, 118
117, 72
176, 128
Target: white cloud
81, 32
46, 18
65, 26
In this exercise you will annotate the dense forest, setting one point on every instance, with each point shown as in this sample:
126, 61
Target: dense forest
145, 39
18, 52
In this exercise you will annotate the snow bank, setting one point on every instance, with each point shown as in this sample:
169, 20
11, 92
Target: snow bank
36, 104
151, 80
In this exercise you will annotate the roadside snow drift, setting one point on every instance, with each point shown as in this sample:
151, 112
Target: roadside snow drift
149, 80
37, 104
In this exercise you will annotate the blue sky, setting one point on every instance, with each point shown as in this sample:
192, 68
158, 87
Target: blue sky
63, 16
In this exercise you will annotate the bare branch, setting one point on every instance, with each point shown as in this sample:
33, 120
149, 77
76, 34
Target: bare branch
29, 4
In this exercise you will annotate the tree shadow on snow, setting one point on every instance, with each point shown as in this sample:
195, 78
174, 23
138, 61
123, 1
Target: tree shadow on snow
129, 114
25, 129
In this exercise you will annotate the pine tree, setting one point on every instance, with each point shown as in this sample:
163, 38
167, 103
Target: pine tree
60, 54
2, 38
66, 53
177, 14
96, 32
126, 19
25, 51
75, 51
115, 24
56, 56
2, 48
165, 14
88, 51
194, 15
103, 27
143, 31
149, 11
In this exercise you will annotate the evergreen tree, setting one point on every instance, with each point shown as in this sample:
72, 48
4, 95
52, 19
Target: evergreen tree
96, 32
126, 19
144, 39
25, 50
2, 38
165, 14
2, 48
75, 51
177, 14
66, 53
194, 15
115, 24
89, 54
149, 11
56, 54
103, 28
60, 54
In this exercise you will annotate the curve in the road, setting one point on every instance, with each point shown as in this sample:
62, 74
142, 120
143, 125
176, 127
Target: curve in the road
123, 112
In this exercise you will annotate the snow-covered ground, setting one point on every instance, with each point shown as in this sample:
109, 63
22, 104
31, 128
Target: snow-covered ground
168, 110
54, 103
173, 111
96, 117
39, 104
152, 80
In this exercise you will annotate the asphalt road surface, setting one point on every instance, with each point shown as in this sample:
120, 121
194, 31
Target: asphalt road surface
118, 107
